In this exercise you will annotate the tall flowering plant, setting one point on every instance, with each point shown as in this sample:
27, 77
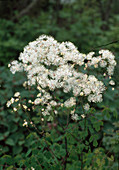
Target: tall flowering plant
55, 68
68, 84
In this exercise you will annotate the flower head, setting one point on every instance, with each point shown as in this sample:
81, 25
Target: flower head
55, 67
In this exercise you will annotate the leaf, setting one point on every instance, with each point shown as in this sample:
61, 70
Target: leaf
91, 129
7, 159
91, 139
17, 150
115, 114
10, 142
6, 133
95, 143
28, 152
10, 167
1, 136
21, 142
97, 127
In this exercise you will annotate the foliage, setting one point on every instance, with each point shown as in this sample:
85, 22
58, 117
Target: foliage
12, 133
87, 25
57, 144
53, 145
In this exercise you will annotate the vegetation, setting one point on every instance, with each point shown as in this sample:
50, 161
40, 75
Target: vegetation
54, 145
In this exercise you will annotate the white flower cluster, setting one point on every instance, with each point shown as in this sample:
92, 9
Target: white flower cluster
12, 100
105, 59
51, 66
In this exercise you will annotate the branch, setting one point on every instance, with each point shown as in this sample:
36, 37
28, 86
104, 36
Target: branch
104, 45
26, 10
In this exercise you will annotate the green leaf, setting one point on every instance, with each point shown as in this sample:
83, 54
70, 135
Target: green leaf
1, 136
10, 142
115, 114
91, 139
97, 127
21, 142
10, 168
28, 152
17, 150
95, 143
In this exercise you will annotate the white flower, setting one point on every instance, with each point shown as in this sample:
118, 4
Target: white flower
95, 98
56, 112
70, 102
83, 116
25, 123
24, 106
39, 95
37, 101
86, 106
94, 60
17, 99
15, 66
81, 94
29, 101
32, 168
75, 117
53, 103
103, 63
9, 65
8, 104
16, 94
15, 109
112, 82
72, 112
12, 100
89, 56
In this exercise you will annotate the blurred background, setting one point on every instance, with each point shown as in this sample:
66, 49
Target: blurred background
87, 24
90, 24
